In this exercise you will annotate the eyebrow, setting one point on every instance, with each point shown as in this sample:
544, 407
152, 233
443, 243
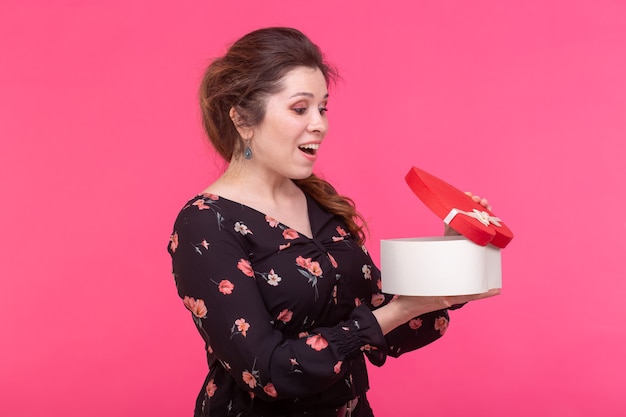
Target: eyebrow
307, 95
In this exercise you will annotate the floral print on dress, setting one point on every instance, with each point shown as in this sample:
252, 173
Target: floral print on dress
294, 366
378, 299
290, 234
244, 266
242, 228
317, 342
197, 307
415, 323
333, 296
210, 196
368, 348
441, 324
201, 204
211, 388
173, 242
311, 270
285, 316
205, 201
271, 221
342, 234
225, 287
270, 390
250, 378
313, 267
204, 244
333, 262
337, 367
241, 326
271, 277
367, 271
215, 254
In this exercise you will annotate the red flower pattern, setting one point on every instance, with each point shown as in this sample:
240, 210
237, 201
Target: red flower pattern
174, 242
211, 388
285, 316
226, 287
249, 379
332, 260
271, 221
290, 234
441, 324
210, 196
242, 326
317, 342
201, 204
270, 390
312, 266
415, 323
197, 307
245, 267
377, 299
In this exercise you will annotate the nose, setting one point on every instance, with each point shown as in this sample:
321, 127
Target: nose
318, 123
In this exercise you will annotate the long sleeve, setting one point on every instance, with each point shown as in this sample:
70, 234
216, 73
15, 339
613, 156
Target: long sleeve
414, 334
246, 303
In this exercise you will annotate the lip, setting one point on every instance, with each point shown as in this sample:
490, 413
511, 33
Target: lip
312, 142
310, 157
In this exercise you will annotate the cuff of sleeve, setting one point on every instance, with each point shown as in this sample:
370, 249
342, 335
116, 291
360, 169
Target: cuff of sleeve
361, 333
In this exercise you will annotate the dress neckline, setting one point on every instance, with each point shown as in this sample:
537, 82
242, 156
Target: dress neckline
310, 204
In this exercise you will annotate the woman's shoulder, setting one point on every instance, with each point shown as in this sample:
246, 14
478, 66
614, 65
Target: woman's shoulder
203, 208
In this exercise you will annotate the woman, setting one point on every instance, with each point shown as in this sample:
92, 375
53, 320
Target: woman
270, 260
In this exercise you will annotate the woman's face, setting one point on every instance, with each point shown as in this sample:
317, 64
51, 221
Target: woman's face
285, 144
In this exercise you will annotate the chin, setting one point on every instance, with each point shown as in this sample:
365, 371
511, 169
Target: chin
301, 175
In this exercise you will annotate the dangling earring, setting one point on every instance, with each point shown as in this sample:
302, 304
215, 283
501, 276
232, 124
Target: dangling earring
247, 152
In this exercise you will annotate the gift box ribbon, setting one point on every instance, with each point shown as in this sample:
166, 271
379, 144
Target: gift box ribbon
481, 216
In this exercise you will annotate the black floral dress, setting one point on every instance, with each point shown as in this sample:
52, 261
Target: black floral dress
286, 319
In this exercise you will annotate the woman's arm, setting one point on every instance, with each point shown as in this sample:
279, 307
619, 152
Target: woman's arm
403, 308
410, 322
217, 283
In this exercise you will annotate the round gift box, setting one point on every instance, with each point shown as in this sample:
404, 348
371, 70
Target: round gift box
439, 266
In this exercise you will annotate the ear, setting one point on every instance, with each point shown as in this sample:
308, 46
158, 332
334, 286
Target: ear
244, 131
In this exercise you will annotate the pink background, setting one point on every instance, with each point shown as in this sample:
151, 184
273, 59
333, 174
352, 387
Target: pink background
520, 101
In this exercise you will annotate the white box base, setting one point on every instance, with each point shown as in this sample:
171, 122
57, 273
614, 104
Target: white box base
439, 266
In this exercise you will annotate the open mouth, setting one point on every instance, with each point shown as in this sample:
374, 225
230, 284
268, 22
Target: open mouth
310, 148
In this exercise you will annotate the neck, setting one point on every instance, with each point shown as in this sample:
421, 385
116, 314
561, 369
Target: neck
256, 183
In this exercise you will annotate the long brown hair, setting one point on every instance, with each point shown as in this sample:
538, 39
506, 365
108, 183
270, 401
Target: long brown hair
251, 70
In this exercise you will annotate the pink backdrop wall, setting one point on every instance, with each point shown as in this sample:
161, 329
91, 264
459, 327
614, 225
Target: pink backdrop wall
523, 102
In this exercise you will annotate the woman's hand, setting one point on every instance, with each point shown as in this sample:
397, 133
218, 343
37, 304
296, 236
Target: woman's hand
448, 231
406, 307
426, 304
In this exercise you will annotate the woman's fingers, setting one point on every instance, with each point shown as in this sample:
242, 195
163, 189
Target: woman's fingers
460, 299
482, 201
416, 305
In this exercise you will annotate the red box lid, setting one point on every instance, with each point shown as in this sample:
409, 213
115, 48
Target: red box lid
458, 210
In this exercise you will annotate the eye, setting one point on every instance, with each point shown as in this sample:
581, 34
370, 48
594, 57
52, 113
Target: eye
323, 110
299, 110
